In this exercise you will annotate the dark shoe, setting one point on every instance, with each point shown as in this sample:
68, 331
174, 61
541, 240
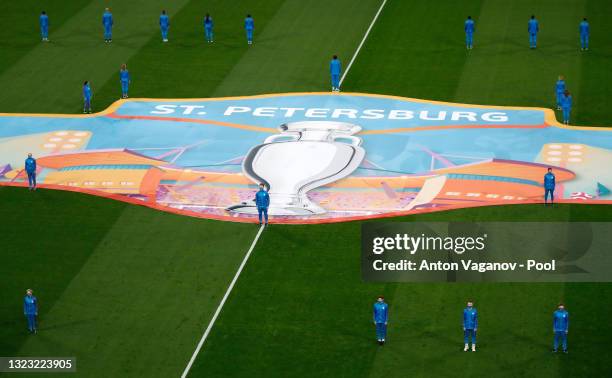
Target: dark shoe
565, 351
554, 351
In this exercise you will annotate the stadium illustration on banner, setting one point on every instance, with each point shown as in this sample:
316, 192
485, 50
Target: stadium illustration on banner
324, 156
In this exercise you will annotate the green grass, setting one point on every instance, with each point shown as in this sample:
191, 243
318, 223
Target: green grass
129, 290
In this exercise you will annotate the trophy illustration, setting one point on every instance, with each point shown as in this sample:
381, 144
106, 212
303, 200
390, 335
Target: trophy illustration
304, 156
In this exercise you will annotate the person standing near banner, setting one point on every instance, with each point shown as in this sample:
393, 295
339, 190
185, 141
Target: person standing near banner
30, 168
124, 78
335, 69
262, 200
86, 97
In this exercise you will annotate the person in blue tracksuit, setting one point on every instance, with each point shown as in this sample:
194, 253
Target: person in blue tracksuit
470, 326
262, 201
124, 78
30, 168
164, 25
549, 186
533, 27
43, 20
381, 318
30, 310
107, 22
249, 26
584, 34
208, 28
469, 28
86, 97
559, 91
566, 106
335, 69
560, 328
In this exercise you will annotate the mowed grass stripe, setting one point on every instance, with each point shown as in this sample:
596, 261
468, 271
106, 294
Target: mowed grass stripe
293, 52
141, 300
502, 70
49, 77
596, 80
301, 309
22, 33
43, 253
414, 50
187, 66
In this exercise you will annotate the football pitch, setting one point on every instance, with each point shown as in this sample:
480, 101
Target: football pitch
129, 291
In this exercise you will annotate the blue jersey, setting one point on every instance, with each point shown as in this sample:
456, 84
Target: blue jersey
107, 19
566, 102
44, 20
381, 312
164, 21
262, 198
86, 91
249, 24
549, 181
470, 318
208, 22
30, 165
584, 28
469, 26
561, 321
533, 27
560, 86
30, 305
124, 76
334, 67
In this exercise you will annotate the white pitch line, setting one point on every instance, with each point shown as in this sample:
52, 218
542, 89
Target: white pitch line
362, 41
220, 307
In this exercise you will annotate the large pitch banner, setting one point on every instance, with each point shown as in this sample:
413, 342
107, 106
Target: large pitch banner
324, 156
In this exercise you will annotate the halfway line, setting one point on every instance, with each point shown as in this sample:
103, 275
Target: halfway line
362, 41
220, 307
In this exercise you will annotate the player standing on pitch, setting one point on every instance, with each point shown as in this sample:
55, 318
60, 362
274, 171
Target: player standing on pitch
566, 105
43, 20
335, 68
249, 26
107, 22
381, 318
262, 200
470, 28
549, 186
470, 326
208, 28
86, 97
30, 168
124, 78
584, 35
560, 328
533, 27
30, 310
164, 25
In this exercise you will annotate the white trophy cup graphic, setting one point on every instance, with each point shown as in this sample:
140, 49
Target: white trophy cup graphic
305, 155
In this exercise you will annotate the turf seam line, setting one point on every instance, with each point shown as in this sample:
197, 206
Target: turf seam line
362, 41
220, 307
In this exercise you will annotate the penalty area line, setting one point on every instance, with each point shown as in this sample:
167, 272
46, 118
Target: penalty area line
220, 307
362, 41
